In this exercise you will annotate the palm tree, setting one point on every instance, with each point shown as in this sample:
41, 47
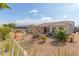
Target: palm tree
61, 35
4, 6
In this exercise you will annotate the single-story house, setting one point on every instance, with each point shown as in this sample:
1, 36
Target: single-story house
51, 27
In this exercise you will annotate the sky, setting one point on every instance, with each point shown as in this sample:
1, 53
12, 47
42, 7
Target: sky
37, 13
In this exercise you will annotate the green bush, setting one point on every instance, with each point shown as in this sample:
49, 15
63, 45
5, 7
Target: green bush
61, 35
4, 32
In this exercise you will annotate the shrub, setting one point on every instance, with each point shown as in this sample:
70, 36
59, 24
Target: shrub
43, 37
61, 35
35, 36
4, 32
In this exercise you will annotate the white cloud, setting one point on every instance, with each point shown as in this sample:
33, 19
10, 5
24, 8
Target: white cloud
65, 16
33, 11
44, 20
75, 5
28, 21
71, 7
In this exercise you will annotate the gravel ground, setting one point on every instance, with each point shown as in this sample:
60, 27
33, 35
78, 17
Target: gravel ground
49, 48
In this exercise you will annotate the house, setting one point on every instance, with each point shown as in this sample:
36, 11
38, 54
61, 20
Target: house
48, 27
51, 27
45, 28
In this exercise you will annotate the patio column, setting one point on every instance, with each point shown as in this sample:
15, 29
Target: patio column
50, 29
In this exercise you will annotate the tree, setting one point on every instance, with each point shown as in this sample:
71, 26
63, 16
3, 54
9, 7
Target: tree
11, 25
61, 35
4, 32
4, 6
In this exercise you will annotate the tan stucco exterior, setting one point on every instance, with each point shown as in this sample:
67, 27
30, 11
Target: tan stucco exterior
67, 25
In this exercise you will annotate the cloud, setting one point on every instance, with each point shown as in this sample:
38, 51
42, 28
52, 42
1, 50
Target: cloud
75, 5
28, 21
72, 7
33, 11
65, 16
62, 16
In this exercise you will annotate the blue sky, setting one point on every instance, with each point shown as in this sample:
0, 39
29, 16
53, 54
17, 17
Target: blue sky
30, 13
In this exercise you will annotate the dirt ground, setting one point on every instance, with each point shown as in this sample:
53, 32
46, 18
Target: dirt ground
49, 48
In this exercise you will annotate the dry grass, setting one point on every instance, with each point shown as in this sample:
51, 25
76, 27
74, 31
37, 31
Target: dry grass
32, 51
8, 48
59, 51
65, 51
48, 49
